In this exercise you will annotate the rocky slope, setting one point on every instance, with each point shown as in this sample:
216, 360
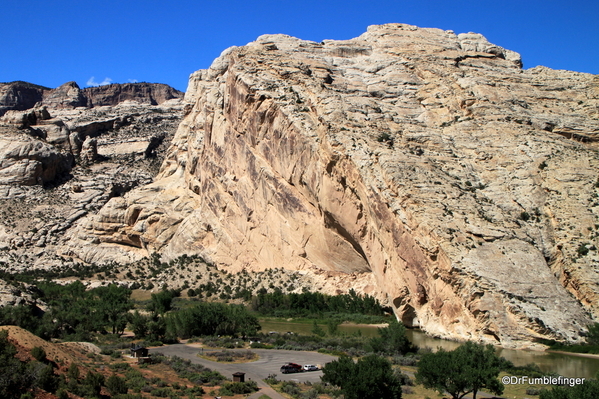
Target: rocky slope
71, 152
463, 187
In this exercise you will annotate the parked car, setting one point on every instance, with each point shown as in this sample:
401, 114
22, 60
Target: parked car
291, 368
310, 367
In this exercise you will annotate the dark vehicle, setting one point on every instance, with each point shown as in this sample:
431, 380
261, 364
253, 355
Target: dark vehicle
291, 368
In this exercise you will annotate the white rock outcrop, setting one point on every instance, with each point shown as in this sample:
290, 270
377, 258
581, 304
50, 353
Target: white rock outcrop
465, 185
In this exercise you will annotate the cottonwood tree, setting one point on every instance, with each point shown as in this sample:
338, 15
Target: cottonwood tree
370, 378
392, 340
467, 369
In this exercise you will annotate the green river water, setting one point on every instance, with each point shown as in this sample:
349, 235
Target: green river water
563, 364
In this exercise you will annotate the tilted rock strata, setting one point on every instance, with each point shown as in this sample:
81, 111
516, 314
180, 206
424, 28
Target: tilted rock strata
464, 184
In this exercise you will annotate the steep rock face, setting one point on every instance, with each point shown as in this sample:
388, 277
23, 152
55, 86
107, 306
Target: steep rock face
68, 95
465, 185
26, 160
143, 93
20, 96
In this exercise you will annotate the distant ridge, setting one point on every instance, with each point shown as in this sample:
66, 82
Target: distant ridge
20, 95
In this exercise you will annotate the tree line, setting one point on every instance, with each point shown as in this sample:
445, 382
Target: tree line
277, 303
76, 313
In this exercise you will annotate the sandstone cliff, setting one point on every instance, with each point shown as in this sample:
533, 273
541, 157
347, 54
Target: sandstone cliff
465, 186
20, 96
63, 159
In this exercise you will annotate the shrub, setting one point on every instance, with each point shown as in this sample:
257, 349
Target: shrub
163, 392
290, 387
533, 391
120, 366
116, 385
38, 353
582, 250
239, 387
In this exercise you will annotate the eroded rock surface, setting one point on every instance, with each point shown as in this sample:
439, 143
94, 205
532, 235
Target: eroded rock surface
464, 185
62, 160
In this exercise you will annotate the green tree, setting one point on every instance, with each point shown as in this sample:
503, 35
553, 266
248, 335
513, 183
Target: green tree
467, 369
392, 340
116, 385
139, 324
370, 378
588, 390
44, 376
317, 330
38, 353
593, 334
333, 327
14, 377
113, 304
92, 384
161, 302
73, 372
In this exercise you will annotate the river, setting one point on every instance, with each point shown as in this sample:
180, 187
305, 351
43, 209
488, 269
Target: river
563, 364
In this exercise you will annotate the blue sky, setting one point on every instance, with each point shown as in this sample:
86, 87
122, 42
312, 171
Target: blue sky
92, 42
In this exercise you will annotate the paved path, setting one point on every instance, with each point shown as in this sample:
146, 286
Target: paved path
270, 362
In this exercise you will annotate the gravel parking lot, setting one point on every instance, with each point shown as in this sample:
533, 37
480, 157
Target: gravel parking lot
270, 362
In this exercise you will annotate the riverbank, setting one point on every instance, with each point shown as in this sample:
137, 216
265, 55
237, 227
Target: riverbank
362, 325
587, 355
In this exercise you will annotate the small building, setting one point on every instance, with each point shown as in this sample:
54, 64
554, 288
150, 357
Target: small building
238, 377
138, 351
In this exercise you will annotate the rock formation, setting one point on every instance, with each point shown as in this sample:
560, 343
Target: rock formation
61, 160
143, 93
464, 185
21, 96
418, 165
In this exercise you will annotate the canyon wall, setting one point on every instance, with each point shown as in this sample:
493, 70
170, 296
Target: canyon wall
464, 187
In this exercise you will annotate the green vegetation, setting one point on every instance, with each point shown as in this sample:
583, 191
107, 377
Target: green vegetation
306, 390
278, 304
592, 345
234, 388
211, 318
14, 379
467, 369
195, 373
392, 340
370, 378
588, 390
231, 356
74, 312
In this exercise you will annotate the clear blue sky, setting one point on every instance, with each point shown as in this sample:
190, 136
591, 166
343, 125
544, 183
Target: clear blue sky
52, 42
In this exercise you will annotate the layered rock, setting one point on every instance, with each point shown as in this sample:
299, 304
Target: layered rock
21, 96
466, 186
143, 93
26, 160
61, 160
